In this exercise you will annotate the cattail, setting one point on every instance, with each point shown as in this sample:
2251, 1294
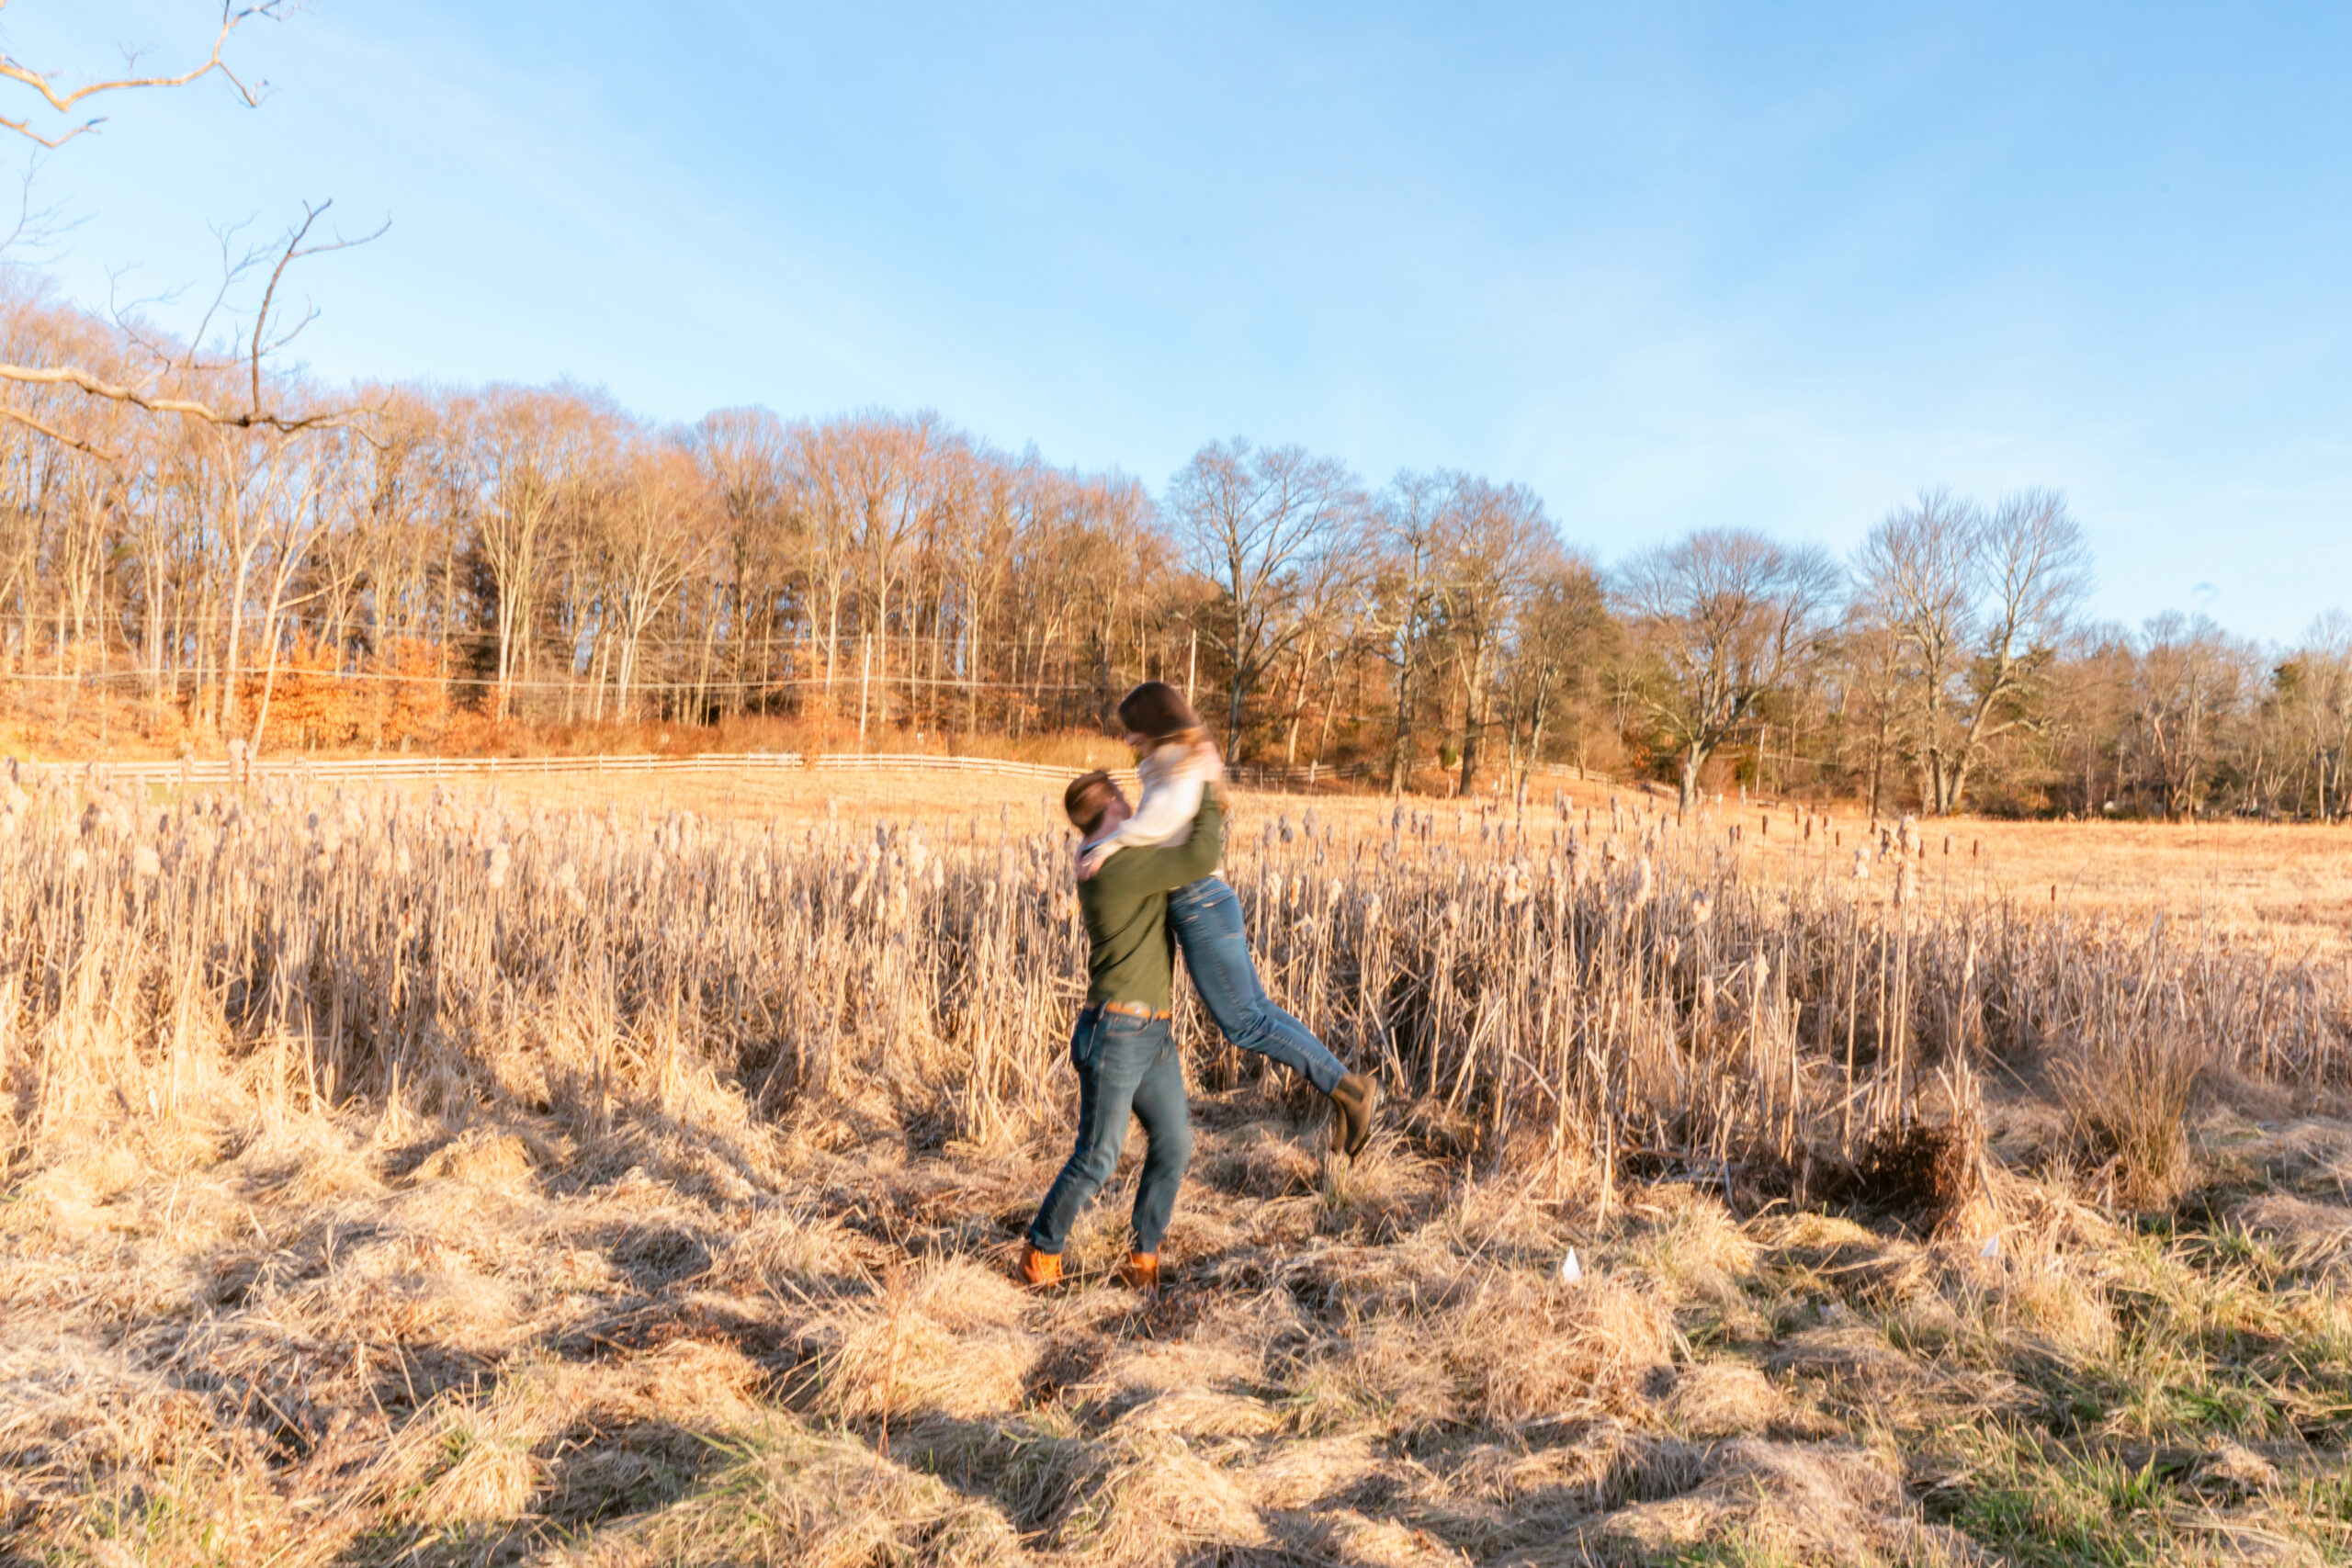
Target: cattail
1902, 885
1862, 865
145, 864
494, 868
1702, 910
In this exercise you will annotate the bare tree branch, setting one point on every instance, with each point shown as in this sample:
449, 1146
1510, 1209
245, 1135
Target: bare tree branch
251, 419
254, 416
294, 252
64, 100
75, 442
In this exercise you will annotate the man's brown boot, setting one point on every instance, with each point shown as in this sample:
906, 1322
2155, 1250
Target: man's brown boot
1351, 1100
1141, 1272
1040, 1270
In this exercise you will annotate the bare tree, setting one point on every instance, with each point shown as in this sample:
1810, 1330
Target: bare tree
658, 531
2191, 682
1565, 638
2314, 692
534, 445
1968, 597
742, 454
1498, 544
1726, 617
1254, 521
1411, 531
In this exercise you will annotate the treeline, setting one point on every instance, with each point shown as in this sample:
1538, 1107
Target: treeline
429, 565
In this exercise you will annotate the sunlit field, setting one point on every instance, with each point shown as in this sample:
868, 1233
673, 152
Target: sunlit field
629, 1172
2288, 884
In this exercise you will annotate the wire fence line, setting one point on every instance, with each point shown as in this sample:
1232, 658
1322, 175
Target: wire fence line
189, 772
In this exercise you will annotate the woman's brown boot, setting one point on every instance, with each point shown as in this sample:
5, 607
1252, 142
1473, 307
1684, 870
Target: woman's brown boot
1351, 1099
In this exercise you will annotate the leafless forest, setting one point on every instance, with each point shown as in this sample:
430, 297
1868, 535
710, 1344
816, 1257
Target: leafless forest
440, 564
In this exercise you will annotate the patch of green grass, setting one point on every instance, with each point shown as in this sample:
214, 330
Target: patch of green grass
2201, 1349
2039, 1504
1739, 1552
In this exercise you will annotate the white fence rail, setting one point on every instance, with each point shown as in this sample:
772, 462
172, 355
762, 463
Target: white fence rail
216, 771
221, 770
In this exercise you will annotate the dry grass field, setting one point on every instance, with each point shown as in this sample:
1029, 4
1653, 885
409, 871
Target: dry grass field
2286, 884
621, 1178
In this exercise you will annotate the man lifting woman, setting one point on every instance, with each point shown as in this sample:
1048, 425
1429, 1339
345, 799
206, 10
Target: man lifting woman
1148, 887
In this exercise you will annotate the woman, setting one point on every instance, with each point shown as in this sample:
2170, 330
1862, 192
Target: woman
1176, 762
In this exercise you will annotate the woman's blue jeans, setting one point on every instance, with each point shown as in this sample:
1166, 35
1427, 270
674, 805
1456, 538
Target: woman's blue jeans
1125, 1065
1207, 918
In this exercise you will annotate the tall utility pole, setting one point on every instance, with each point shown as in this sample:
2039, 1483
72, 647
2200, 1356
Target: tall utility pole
864, 672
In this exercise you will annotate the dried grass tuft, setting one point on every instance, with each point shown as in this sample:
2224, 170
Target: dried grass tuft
2310, 1237
946, 1343
478, 1157
470, 1460
789, 1495
1310, 1471
1156, 1501
1530, 1349
1814, 1503
1722, 1399
2127, 1094
1199, 1412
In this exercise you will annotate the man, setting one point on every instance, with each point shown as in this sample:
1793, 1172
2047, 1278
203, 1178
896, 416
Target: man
1123, 1047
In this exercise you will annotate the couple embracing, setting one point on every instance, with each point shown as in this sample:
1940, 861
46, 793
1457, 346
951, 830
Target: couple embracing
1148, 885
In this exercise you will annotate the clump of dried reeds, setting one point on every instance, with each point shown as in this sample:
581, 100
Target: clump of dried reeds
1583, 1006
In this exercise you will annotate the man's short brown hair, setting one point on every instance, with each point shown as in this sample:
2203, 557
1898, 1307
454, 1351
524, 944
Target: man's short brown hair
1088, 797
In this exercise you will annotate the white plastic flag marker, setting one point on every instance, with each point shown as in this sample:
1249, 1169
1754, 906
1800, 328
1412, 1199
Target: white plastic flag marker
1992, 1247
1571, 1269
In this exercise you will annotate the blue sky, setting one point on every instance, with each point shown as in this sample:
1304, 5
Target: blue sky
1776, 265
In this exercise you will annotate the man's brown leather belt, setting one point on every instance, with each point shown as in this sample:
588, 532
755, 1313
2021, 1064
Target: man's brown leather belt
1130, 1009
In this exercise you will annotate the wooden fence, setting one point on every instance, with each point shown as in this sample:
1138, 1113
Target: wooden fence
220, 771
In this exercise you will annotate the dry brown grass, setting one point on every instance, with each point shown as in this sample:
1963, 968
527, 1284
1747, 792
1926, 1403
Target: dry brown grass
395, 1178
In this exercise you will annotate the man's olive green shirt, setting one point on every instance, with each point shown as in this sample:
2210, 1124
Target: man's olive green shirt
1131, 948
